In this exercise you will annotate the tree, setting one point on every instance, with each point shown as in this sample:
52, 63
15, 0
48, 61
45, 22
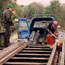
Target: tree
33, 8
58, 11
53, 7
3, 5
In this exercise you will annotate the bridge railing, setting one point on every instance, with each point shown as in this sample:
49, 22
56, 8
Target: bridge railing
51, 59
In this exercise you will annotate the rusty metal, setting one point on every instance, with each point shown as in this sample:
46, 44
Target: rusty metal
24, 55
38, 49
38, 54
30, 57
34, 55
51, 59
10, 51
24, 63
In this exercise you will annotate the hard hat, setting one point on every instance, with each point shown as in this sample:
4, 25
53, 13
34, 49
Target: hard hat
9, 6
55, 23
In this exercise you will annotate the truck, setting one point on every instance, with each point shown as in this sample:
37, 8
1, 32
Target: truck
38, 23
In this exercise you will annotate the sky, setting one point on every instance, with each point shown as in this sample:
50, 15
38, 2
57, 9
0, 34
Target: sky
43, 2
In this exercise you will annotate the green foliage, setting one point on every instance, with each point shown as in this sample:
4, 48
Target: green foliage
58, 11
3, 5
31, 9
53, 7
36, 8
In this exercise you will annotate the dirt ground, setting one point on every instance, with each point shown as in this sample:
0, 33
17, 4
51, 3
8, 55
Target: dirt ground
13, 37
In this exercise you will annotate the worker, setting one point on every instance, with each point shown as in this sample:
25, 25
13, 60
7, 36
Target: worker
7, 20
54, 28
45, 33
51, 28
47, 37
58, 48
